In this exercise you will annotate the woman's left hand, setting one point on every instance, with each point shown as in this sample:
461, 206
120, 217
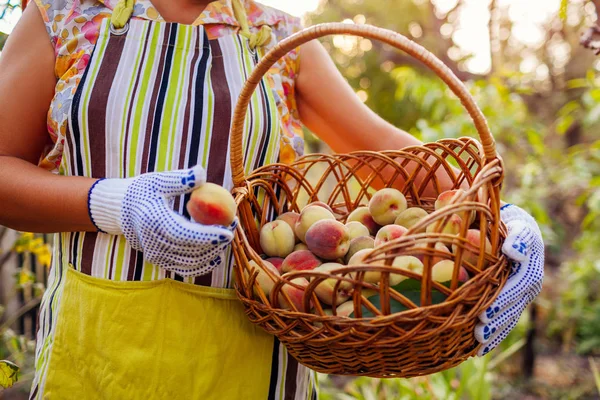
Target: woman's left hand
525, 250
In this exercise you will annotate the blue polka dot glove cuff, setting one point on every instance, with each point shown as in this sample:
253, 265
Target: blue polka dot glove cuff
141, 209
525, 250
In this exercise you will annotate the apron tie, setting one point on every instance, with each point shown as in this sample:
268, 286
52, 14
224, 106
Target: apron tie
258, 39
121, 13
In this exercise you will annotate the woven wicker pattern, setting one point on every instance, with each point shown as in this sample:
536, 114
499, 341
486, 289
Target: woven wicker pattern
427, 336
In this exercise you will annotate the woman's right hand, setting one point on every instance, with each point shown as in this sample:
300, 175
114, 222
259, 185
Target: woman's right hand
140, 208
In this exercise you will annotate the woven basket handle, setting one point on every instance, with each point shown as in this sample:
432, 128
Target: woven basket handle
390, 37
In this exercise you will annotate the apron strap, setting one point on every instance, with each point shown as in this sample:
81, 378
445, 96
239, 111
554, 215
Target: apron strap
257, 39
121, 13
124, 9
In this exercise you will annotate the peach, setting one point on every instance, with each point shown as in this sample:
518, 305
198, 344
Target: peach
356, 229
212, 204
359, 259
452, 227
277, 239
442, 272
409, 263
439, 247
445, 197
324, 290
359, 243
328, 239
473, 247
410, 217
290, 218
389, 233
263, 280
386, 204
276, 261
363, 215
300, 246
345, 309
300, 261
308, 217
296, 295
321, 204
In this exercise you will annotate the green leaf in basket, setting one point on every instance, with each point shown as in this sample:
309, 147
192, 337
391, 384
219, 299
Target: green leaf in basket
409, 288
8, 374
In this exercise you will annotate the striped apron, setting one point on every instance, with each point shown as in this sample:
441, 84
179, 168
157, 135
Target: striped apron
158, 97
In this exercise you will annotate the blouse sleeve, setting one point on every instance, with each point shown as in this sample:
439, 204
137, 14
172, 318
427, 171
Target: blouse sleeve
292, 142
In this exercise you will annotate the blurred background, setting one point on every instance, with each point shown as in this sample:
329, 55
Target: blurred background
540, 91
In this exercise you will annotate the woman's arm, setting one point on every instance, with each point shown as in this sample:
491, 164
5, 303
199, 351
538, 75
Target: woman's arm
329, 107
33, 199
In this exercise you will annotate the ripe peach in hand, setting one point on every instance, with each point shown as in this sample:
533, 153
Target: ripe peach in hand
359, 243
296, 295
452, 227
212, 204
324, 290
442, 272
472, 248
363, 215
300, 261
308, 217
410, 217
328, 239
386, 204
389, 233
277, 239
356, 229
265, 282
290, 218
276, 261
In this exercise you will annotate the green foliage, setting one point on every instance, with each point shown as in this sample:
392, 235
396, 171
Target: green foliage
9, 374
3, 37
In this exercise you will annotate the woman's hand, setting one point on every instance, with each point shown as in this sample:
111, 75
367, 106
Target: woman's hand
140, 208
525, 250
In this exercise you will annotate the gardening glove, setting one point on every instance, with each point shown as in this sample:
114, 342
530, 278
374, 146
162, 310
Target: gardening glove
525, 250
141, 209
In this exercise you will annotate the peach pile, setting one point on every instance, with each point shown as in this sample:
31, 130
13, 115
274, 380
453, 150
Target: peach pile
315, 240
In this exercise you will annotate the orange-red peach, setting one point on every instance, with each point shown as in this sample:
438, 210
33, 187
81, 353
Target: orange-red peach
300, 261
296, 295
386, 204
439, 247
363, 215
356, 229
276, 261
473, 247
308, 217
212, 204
277, 239
444, 199
410, 217
389, 233
328, 239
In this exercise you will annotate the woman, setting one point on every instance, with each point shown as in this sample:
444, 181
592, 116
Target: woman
107, 127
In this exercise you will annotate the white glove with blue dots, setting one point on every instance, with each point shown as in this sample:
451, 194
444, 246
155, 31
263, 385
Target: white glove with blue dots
141, 209
525, 250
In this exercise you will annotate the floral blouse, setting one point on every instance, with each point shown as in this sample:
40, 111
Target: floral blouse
73, 27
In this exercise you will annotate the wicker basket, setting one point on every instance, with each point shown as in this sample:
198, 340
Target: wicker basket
426, 337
